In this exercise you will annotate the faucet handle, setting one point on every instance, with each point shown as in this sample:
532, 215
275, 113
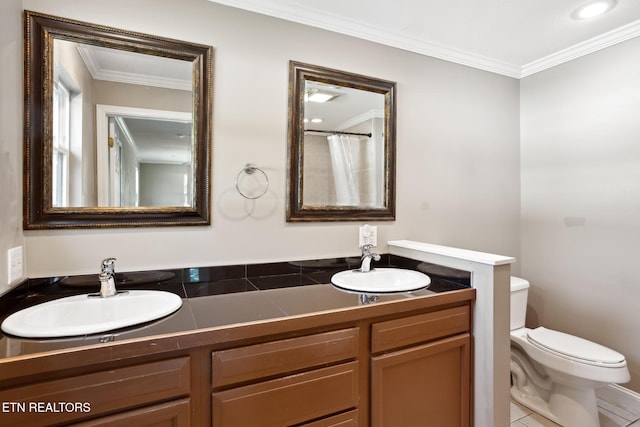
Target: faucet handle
108, 265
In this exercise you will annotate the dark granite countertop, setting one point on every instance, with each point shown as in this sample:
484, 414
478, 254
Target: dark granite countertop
220, 296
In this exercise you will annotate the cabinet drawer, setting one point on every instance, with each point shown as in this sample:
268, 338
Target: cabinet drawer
347, 419
417, 329
289, 400
281, 357
170, 414
103, 392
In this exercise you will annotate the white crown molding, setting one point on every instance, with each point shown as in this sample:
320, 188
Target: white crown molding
99, 73
142, 79
302, 14
89, 59
602, 41
354, 121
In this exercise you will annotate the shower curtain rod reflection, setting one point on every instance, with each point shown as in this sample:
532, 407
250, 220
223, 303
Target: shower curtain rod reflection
335, 132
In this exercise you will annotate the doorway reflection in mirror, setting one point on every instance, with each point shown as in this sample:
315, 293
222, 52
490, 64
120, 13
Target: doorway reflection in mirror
148, 160
145, 159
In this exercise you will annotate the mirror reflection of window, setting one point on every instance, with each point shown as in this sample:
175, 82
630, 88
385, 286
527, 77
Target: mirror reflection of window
60, 153
69, 93
186, 190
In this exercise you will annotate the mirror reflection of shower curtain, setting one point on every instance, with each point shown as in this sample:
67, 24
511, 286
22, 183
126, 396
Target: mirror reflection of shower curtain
345, 162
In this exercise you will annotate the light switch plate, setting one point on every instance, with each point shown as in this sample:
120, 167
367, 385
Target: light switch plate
15, 264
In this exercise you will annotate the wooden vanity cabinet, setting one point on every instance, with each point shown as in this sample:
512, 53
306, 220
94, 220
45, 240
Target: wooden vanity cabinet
403, 369
405, 363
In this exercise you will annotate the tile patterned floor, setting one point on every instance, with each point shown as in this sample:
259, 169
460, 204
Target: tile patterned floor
610, 416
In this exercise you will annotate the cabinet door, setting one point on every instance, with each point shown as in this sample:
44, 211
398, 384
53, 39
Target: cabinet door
170, 414
423, 386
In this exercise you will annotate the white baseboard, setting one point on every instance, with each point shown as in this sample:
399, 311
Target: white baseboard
627, 402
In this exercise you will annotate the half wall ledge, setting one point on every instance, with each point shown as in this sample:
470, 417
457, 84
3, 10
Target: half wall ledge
490, 275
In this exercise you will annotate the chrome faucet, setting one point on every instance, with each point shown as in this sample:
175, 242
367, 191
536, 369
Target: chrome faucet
107, 278
367, 256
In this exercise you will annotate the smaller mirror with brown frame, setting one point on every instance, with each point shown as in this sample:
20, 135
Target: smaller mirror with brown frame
341, 146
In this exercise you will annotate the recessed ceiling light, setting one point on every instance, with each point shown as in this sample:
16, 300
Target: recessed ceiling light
594, 8
316, 120
320, 95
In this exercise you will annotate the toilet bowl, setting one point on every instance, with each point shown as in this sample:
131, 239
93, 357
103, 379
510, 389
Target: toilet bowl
555, 374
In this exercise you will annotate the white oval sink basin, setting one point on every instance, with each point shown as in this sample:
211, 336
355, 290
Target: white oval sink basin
80, 314
381, 280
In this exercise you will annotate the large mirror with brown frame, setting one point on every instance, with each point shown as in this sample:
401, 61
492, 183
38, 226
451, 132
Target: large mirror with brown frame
341, 146
117, 127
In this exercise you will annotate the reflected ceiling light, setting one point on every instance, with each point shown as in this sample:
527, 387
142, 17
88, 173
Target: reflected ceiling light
316, 120
320, 96
594, 8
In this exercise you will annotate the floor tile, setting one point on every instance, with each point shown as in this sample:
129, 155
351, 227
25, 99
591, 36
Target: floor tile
536, 420
610, 419
610, 416
518, 412
617, 411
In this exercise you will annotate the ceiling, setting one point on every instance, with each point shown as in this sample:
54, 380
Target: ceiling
516, 38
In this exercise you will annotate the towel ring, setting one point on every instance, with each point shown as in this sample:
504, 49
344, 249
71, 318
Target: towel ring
250, 169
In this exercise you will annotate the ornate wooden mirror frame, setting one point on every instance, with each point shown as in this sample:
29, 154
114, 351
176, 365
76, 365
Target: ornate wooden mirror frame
40, 32
304, 79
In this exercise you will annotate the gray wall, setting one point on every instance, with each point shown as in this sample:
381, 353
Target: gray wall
10, 133
580, 176
163, 184
458, 131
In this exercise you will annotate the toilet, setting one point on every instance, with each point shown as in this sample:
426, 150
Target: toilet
556, 374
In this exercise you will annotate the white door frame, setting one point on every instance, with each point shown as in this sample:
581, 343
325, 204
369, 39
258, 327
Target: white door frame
103, 112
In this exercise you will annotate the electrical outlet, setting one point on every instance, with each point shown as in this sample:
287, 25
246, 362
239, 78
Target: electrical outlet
368, 235
15, 264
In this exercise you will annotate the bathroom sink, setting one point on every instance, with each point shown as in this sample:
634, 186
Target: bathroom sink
381, 280
82, 314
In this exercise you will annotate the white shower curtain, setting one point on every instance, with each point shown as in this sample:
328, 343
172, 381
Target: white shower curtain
345, 161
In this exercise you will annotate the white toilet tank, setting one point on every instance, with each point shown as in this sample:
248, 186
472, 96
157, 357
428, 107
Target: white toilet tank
519, 293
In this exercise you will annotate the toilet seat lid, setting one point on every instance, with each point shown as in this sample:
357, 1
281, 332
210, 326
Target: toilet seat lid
574, 347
